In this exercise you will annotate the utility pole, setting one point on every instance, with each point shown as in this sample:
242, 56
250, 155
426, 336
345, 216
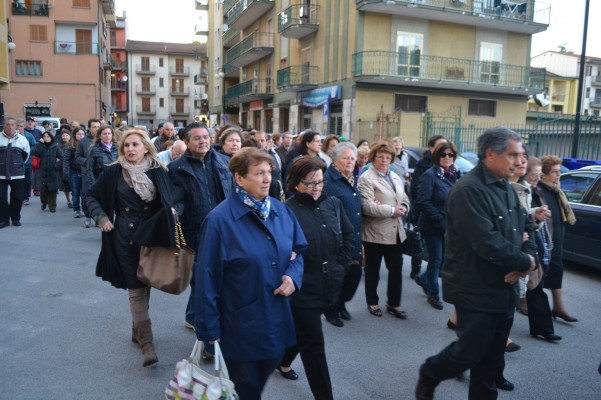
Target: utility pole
576, 136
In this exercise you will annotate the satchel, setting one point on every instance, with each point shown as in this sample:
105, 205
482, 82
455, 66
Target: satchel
167, 269
190, 382
414, 243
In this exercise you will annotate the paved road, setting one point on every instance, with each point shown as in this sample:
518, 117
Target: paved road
64, 334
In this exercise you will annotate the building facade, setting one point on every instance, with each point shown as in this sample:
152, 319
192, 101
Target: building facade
369, 68
119, 106
162, 82
61, 63
4, 40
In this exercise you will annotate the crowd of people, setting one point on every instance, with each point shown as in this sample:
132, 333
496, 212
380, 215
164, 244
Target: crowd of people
284, 226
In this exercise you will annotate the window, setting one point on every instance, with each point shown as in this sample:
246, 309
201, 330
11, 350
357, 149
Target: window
588, 92
161, 82
179, 105
483, 108
409, 50
161, 102
37, 33
28, 68
160, 61
410, 103
491, 55
146, 104
146, 84
81, 3
576, 185
113, 38
145, 63
589, 70
179, 65
83, 41
177, 85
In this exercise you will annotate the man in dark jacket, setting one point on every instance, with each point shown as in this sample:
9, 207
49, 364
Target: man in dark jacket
81, 155
486, 251
203, 174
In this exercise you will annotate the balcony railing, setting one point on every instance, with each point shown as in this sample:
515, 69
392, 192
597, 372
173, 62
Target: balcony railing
528, 16
595, 103
118, 64
391, 67
140, 110
180, 110
202, 5
230, 71
252, 48
183, 71
146, 90
118, 85
231, 37
108, 6
244, 12
558, 98
62, 47
179, 91
254, 89
297, 77
117, 42
596, 80
145, 69
298, 21
200, 79
41, 8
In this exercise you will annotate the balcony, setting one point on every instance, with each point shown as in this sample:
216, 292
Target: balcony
117, 43
180, 111
252, 48
525, 16
595, 103
297, 78
108, 7
230, 37
179, 71
118, 86
145, 69
147, 90
78, 48
298, 21
230, 71
414, 70
202, 5
179, 91
201, 30
596, 80
200, 79
140, 110
242, 13
118, 65
41, 9
255, 89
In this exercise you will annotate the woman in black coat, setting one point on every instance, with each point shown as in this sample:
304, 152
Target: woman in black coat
131, 203
331, 244
103, 152
47, 177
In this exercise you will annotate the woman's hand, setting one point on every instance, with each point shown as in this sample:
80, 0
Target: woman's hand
542, 212
399, 211
286, 288
105, 225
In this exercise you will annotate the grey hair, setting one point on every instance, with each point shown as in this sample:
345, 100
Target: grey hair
341, 146
20, 121
496, 139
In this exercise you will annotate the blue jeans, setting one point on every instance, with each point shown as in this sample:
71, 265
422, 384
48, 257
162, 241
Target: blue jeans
75, 183
27, 182
86, 184
435, 246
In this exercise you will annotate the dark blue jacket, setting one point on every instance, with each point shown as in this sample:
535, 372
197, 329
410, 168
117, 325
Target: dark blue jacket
98, 158
432, 193
237, 271
339, 186
182, 174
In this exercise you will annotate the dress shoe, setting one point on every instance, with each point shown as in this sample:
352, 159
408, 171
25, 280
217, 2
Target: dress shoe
397, 313
505, 385
563, 315
16, 223
424, 391
451, 325
336, 321
344, 314
375, 310
435, 302
551, 337
290, 374
511, 347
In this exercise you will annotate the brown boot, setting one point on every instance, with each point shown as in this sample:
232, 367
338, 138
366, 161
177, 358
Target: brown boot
145, 340
134, 334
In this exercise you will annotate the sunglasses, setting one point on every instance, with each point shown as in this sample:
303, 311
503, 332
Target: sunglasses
450, 155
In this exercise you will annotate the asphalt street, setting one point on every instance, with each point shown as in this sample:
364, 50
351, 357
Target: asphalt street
65, 334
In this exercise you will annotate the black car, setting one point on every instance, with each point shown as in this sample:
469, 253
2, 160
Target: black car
583, 240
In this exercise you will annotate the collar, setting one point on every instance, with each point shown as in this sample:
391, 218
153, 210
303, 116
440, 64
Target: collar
239, 209
488, 176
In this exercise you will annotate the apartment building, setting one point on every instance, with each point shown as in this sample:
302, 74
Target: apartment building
368, 67
161, 81
119, 106
61, 63
4, 50
562, 89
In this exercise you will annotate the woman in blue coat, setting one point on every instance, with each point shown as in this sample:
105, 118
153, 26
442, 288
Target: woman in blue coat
433, 190
248, 264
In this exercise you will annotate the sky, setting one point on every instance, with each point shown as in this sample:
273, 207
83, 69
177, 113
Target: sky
174, 20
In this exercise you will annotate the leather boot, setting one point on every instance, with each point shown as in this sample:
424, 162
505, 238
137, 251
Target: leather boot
134, 334
145, 340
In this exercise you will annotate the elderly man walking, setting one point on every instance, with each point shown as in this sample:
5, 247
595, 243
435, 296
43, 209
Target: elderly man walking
14, 151
489, 244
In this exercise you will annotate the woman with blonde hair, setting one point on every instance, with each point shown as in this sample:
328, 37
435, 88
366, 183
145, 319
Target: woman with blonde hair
132, 203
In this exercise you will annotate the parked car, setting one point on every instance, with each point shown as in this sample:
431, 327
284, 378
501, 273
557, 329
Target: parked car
583, 240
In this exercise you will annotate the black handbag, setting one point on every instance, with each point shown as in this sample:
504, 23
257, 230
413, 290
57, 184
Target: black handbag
414, 243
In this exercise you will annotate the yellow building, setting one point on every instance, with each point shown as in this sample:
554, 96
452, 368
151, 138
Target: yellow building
369, 68
561, 94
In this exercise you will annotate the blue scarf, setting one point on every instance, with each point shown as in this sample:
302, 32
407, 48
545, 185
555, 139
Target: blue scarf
260, 208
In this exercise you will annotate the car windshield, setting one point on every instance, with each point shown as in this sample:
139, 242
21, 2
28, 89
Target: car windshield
575, 185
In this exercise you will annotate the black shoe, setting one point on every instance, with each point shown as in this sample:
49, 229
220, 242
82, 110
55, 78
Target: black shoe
435, 302
505, 385
336, 321
375, 310
344, 314
423, 391
16, 223
551, 337
289, 375
511, 347
451, 325
43, 207
397, 313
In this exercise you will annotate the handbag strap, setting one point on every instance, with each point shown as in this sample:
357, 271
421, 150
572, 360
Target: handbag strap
180, 240
219, 366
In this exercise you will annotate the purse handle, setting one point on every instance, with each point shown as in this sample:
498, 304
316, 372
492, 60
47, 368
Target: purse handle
219, 366
180, 240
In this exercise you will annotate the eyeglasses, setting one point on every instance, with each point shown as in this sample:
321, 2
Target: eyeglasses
313, 185
450, 155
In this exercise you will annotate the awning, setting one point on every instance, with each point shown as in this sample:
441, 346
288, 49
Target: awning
318, 97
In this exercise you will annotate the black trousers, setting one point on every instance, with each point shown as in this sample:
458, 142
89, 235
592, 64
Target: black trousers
539, 311
393, 258
480, 347
250, 377
350, 283
11, 209
310, 344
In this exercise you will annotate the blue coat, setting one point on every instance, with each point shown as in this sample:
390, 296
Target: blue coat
339, 186
239, 264
432, 194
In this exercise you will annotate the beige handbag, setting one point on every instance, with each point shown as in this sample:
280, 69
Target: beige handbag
166, 269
